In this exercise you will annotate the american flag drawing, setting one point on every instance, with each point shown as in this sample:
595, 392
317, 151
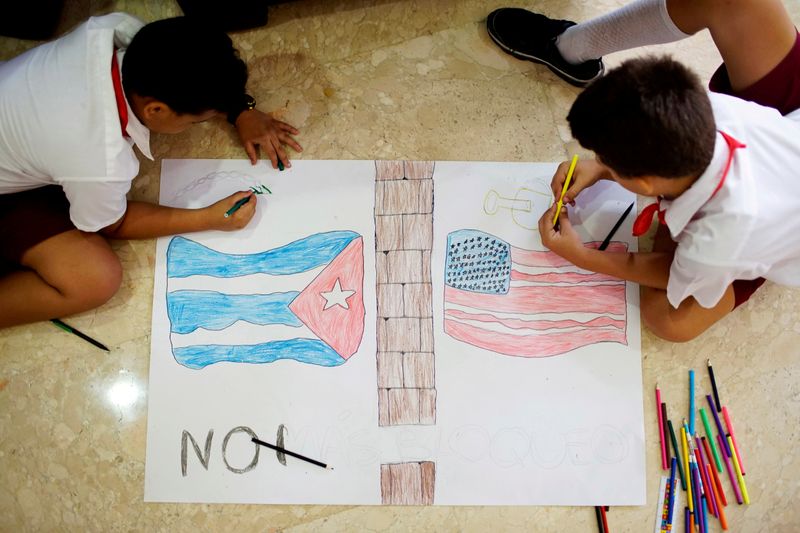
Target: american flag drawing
527, 303
301, 301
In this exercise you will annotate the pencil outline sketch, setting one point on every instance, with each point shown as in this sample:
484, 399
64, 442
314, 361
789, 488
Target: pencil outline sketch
338, 327
527, 303
526, 207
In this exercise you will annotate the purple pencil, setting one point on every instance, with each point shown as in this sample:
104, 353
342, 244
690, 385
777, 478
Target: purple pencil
686, 519
731, 475
719, 424
698, 499
706, 481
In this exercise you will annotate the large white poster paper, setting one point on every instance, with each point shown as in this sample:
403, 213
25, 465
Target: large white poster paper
271, 332
539, 381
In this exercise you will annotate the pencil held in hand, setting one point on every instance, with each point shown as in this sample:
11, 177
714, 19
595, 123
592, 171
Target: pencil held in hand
237, 205
566, 186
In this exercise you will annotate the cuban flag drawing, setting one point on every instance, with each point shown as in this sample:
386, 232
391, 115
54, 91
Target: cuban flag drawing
307, 304
527, 303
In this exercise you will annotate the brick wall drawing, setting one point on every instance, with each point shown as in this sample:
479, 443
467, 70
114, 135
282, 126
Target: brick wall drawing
403, 242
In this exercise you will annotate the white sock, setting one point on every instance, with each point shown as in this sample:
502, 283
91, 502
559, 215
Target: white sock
639, 23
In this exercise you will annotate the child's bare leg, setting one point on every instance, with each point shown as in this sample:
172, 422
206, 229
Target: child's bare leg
687, 321
69, 273
752, 36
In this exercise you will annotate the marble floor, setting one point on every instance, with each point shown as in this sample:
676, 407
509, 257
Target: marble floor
379, 79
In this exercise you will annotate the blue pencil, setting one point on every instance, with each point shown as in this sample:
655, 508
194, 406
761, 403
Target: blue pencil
691, 402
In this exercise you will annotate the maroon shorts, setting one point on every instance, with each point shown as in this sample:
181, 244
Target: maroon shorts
779, 89
28, 218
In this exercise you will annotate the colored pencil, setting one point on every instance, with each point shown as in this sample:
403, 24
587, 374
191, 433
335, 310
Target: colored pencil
722, 520
687, 466
706, 480
731, 475
691, 402
672, 479
613, 231
605, 519
677, 453
717, 482
714, 385
78, 334
566, 186
736, 449
664, 428
739, 476
661, 429
293, 454
725, 447
599, 517
237, 205
686, 521
710, 435
698, 518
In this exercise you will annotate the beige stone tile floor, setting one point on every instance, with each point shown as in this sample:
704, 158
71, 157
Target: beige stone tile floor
362, 79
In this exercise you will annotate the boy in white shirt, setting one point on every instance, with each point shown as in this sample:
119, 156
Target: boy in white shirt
722, 168
70, 113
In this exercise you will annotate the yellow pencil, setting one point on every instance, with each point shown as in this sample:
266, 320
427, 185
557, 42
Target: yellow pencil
739, 476
566, 186
686, 465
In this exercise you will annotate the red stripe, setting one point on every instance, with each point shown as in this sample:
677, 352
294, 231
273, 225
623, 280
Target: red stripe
561, 277
546, 299
534, 345
518, 323
549, 259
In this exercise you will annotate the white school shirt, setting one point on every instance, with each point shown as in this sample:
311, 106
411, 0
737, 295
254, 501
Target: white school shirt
59, 122
751, 227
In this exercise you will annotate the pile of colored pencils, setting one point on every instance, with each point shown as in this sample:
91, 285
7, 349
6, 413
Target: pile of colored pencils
698, 461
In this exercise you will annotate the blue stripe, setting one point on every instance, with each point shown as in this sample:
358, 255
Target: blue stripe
311, 351
189, 310
188, 258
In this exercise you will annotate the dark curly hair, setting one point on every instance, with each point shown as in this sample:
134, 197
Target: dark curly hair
189, 66
649, 116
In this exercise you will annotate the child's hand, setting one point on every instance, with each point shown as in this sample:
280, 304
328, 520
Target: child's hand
587, 173
563, 241
261, 129
215, 213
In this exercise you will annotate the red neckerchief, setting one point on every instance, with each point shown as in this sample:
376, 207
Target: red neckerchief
645, 218
119, 94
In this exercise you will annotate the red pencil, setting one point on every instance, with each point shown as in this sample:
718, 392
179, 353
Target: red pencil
605, 520
661, 429
717, 482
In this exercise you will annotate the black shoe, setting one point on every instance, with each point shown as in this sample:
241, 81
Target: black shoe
531, 36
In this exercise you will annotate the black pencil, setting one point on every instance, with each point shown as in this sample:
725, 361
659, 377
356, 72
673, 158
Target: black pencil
77, 333
287, 452
611, 233
714, 387
599, 516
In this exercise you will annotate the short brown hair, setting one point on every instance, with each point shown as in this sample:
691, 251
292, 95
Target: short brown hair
649, 116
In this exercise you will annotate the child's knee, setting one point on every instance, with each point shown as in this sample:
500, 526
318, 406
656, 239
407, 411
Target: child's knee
105, 279
658, 317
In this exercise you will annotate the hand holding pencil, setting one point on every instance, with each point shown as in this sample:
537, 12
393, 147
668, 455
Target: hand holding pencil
587, 172
233, 212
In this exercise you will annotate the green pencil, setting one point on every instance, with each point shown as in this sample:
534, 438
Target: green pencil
236, 206
711, 439
77, 333
677, 453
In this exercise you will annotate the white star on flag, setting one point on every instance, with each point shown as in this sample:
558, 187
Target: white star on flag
336, 296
